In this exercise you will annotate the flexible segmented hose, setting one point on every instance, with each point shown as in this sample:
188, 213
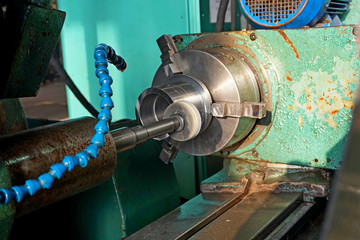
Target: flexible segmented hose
103, 54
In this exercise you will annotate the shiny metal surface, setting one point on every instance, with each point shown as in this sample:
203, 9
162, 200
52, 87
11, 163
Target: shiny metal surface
187, 219
228, 78
153, 101
30, 153
254, 217
128, 138
191, 119
246, 109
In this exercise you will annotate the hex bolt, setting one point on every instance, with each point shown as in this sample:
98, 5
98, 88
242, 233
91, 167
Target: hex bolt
257, 176
255, 153
253, 37
356, 31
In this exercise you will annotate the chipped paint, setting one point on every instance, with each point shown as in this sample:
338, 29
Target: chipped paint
300, 121
290, 43
311, 114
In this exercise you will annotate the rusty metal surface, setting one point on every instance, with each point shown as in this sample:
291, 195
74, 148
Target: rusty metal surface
12, 116
251, 176
309, 77
7, 212
225, 185
30, 36
12, 119
30, 153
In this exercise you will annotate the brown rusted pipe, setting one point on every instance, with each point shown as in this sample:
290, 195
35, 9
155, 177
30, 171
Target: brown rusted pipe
30, 153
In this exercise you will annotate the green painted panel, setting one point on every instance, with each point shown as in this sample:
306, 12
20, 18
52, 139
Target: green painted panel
186, 175
131, 28
352, 16
313, 76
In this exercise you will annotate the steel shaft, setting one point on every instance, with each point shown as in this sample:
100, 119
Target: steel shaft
128, 138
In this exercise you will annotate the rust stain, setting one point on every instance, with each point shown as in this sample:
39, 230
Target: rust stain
334, 112
289, 78
300, 121
290, 43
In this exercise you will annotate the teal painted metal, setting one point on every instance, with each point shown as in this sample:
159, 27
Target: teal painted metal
186, 175
142, 190
352, 16
132, 28
310, 78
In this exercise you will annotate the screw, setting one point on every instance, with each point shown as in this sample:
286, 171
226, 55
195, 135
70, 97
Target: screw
253, 37
356, 31
257, 176
255, 153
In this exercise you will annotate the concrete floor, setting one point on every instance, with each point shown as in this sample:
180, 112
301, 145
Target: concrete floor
50, 103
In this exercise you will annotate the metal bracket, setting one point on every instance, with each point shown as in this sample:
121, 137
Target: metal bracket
237, 110
168, 153
168, 49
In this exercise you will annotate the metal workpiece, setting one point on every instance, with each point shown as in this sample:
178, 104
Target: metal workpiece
30, 153
153, 102
128, 138
191, 120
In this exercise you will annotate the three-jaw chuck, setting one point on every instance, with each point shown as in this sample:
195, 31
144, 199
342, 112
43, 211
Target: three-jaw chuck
215, 91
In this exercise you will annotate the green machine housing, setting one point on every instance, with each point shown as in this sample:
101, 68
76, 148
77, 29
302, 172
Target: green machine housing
275, 105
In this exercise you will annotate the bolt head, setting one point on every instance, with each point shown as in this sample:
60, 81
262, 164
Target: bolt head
253, 37
257, 176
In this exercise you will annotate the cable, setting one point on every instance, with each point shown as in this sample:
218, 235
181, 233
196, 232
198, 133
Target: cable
233, 15
219, 27
69, 82
103, 53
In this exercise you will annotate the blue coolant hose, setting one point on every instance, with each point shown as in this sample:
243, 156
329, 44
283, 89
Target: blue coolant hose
103, 54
